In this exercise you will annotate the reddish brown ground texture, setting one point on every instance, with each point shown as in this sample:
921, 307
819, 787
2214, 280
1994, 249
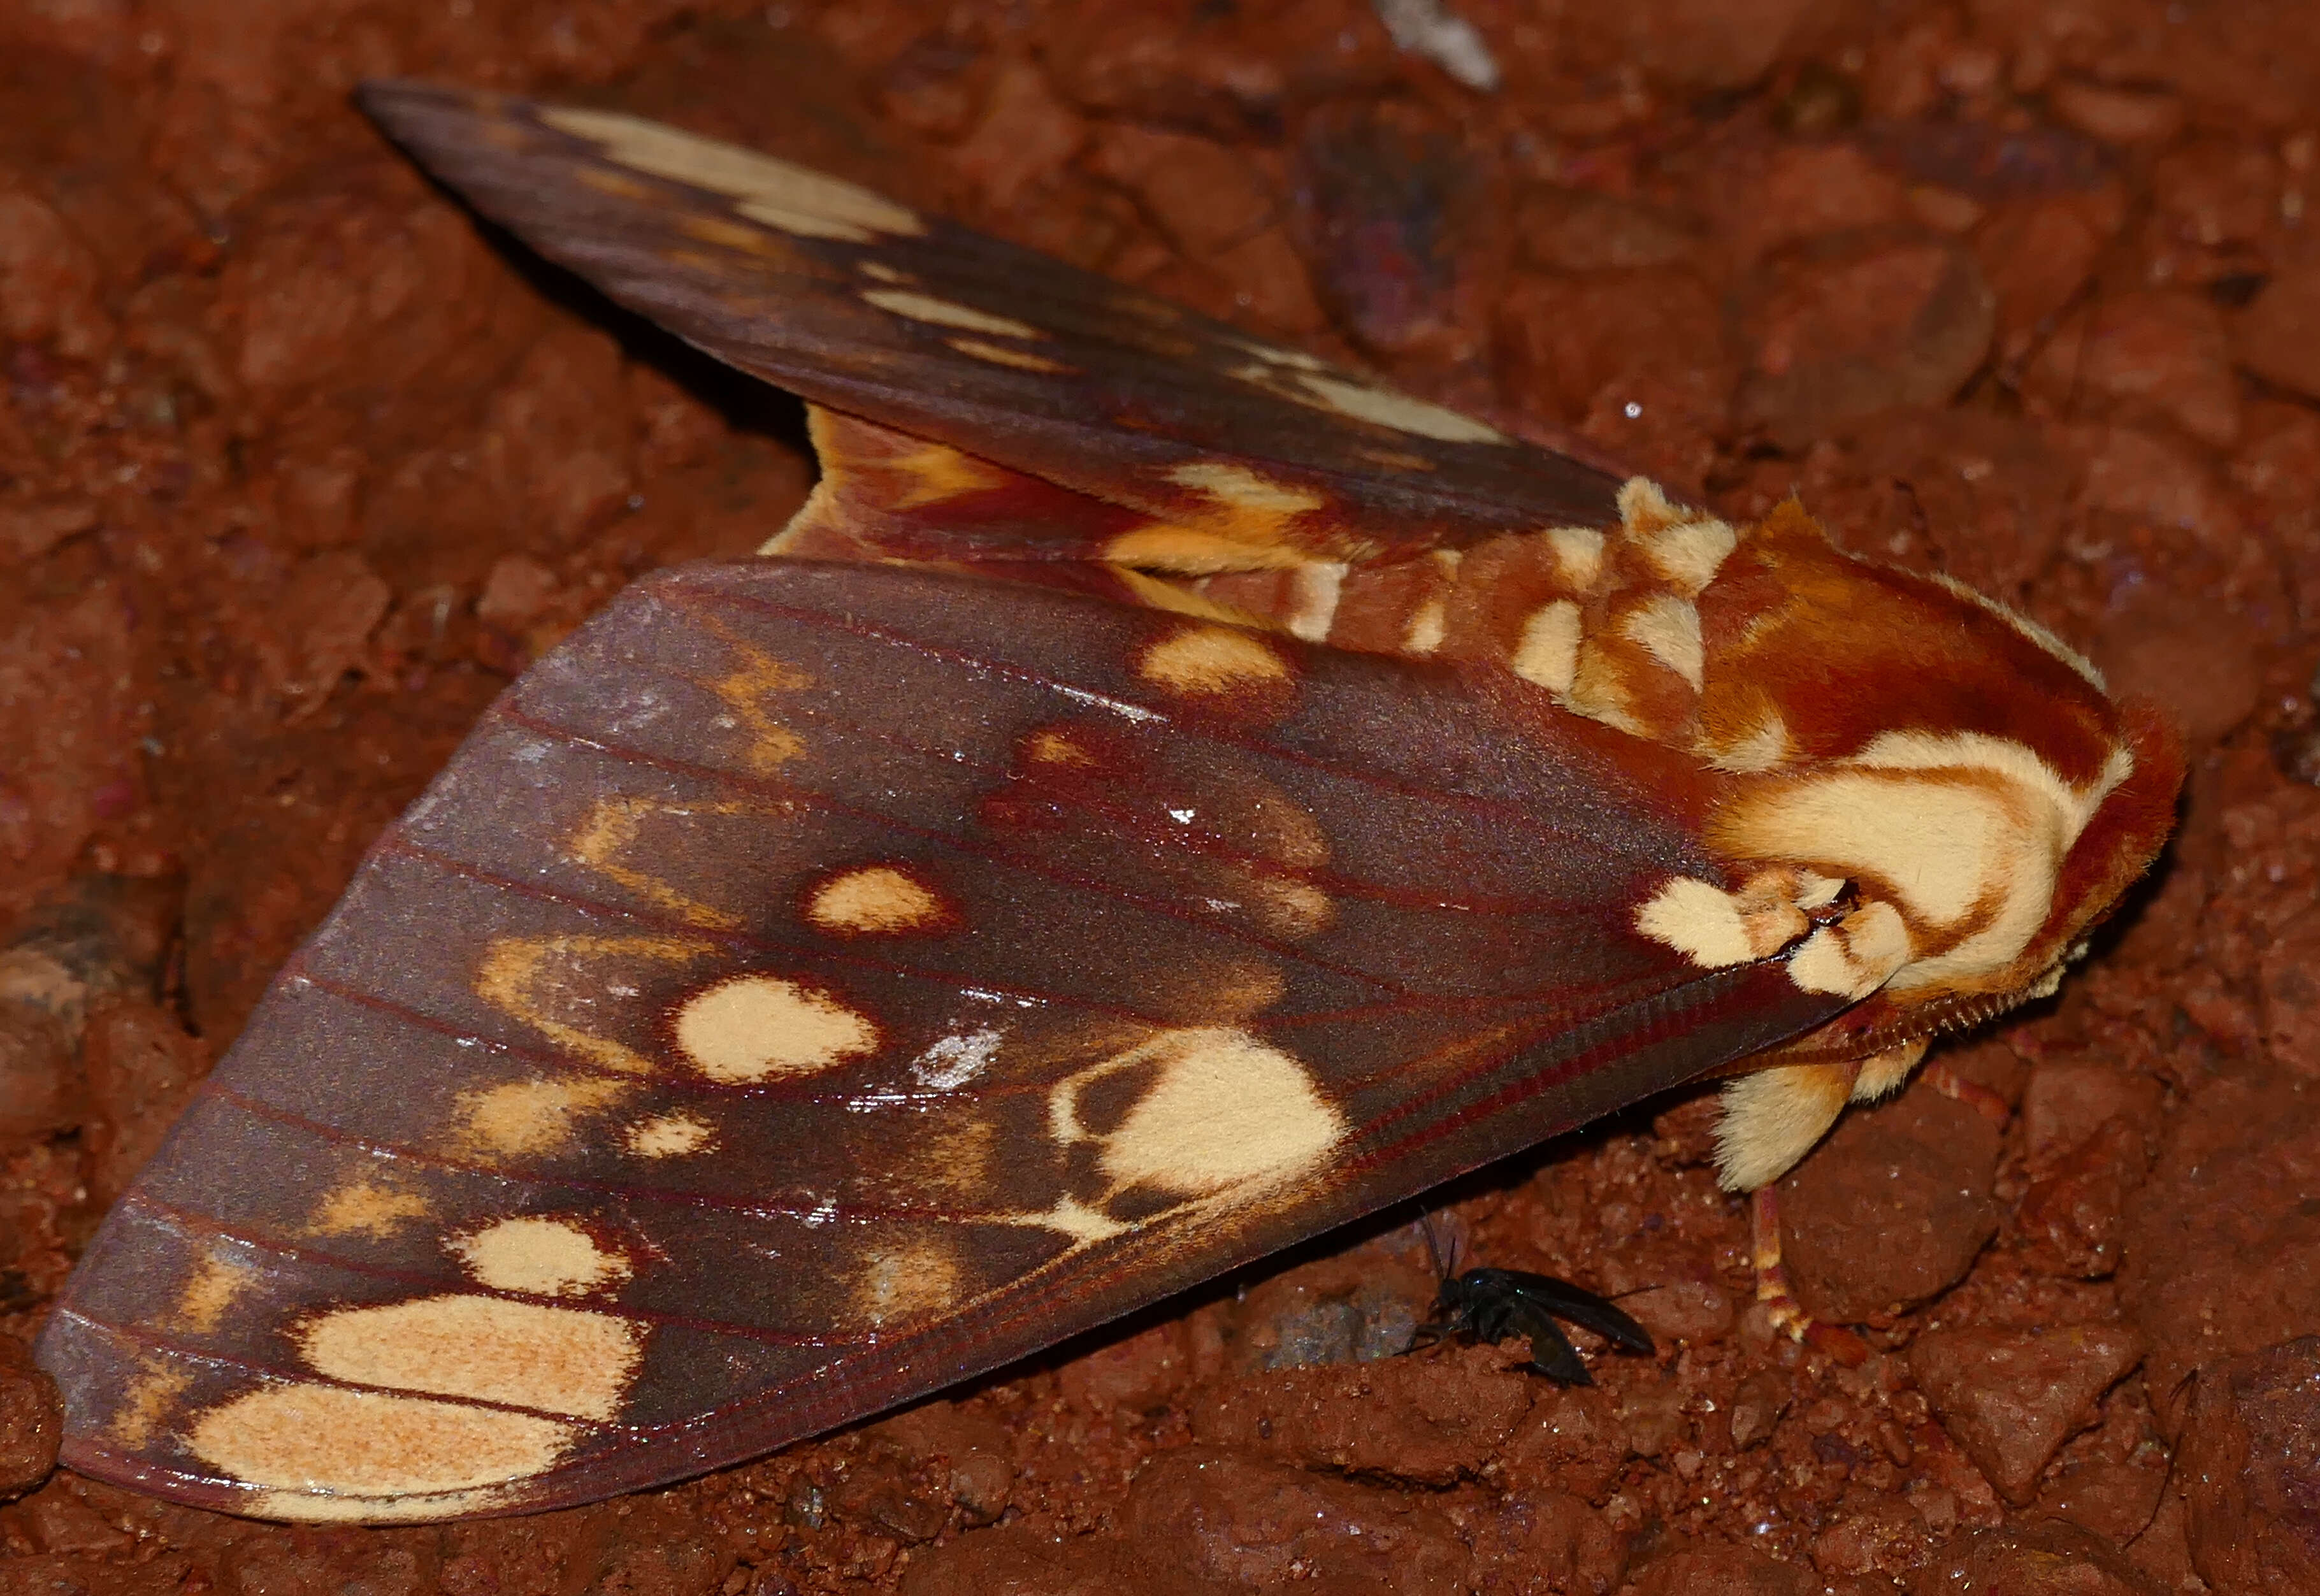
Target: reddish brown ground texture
297, 470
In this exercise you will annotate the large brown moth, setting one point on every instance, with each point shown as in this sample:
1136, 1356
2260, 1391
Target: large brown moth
1167, 795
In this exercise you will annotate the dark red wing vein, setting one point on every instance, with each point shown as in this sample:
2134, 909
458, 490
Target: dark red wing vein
143, 1337
191, 1221
259, 1109
1510, 813
1025, 863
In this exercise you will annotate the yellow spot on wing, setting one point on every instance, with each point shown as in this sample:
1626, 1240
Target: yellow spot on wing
905, 1283
152, 1395
758, 1028
1222, 1109
877, 898
1401, 411
215, 1282
669, 1136
793, 198
320, 1439
1577, 554
365, 1208
1212, 660
541, 1256
604, 837
542, 981
553, 1360
999, 354
937, 473
1668, 629
943, 313
526, 1118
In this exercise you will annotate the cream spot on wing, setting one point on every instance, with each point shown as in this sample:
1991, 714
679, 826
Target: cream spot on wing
538, 1255
878, 271
299, 1507
669, 1136
1427, 624
1577, 554
1211, 659
2029, 629
558, 985
1253, 544
1401, 411
605, 839
758, 1028
1222, 1109
1314, 590
1548, 651
1773, 1117
1291, 909
524, 1118
1047, 746
1715, 928
943, 313
1273, 354
151, 1397
1667, 630
365, 1208
1077, 1221
524, 1355
211, 1290
874, 899
999, 354
1244, 489
796, 199
1855, 957
906, 1283
370, 1443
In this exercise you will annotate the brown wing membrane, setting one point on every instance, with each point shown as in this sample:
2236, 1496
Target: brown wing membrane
871, 308
814, 985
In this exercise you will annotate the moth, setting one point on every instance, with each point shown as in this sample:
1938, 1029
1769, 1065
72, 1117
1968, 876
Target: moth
1164, 795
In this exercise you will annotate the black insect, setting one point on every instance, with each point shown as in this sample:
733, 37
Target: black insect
1491, 1304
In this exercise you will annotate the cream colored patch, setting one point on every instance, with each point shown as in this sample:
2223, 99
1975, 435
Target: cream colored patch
875, 898
1882, 1073
1598, 691
1715, 928
1222, 1110
540, 1257
1315, 589
1967, 832
1855, 957
1401, 411
1773, 1117
760, 1028
746, 690
793, 198
144, 1409
300, 1507
1578, 555
669, 1136
556, 984
524, 1118
1427, 625
365, 1208
1048, 745
1684, 546
1211, 659
1548, 651
2029, 629
604, 837
1273, 354
943, 313
1295, 910
487, 1349
366, 1443
1667, 627
1762, 747
210, 1291
1077, 1221
878, 271
1244, 489
906, 1283
999, 354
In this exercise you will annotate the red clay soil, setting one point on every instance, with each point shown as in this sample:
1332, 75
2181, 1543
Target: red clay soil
296, 469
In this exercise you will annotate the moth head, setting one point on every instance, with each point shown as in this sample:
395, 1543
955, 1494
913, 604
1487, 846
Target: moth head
1933, 797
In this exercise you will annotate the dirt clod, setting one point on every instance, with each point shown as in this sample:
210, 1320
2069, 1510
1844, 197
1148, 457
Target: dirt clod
2012, 1398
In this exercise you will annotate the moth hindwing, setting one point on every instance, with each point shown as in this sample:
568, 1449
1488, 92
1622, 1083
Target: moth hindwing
1175, 795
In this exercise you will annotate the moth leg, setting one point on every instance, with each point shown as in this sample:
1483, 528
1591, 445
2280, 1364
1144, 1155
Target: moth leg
1771, 1119
1945, 1079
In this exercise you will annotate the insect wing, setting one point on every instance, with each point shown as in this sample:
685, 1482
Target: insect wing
814, 985
875, 309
